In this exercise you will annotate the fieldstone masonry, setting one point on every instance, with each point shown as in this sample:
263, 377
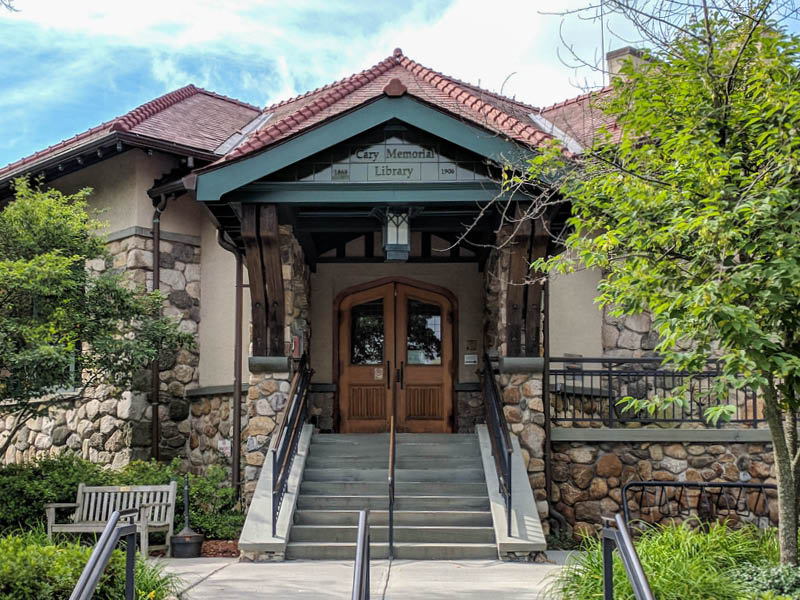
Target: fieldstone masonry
269, 392
112, 427
588, 478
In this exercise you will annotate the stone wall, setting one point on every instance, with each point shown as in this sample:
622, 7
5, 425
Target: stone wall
470, 410
109, 428
322, 406
522, 393
210, 427
588, 478
112, 427
268, 393
628, 336
524, 412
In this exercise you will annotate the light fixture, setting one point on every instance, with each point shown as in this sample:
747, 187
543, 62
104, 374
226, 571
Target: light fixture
396, 235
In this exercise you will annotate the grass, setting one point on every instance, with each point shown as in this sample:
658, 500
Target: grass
682, 562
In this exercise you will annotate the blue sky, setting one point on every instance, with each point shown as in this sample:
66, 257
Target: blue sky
70, 65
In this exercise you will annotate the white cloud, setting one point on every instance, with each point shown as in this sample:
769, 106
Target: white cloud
62, 57
471, 39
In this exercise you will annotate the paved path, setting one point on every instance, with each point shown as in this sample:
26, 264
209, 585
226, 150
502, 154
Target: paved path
220, 579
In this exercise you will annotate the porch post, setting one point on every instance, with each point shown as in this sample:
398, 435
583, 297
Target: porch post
263, 256
515, 296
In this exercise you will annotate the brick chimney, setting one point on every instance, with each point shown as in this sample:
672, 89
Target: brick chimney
615, 59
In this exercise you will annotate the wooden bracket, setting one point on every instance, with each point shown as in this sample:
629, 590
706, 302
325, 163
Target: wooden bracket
263, 259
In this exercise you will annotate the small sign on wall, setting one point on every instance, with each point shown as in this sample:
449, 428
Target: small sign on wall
378, 373
224, 446
470, 359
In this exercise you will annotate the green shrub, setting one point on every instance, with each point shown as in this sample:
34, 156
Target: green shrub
681, 563
26, 488
213, 508
33, 569
779, 579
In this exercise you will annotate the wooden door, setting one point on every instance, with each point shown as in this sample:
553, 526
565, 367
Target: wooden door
396, 339
425, 342
366, 354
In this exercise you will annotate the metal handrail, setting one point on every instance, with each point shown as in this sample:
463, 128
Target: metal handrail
621, 538
361, 566
730, 503
98, 560
392, 452
499, 436
287, 435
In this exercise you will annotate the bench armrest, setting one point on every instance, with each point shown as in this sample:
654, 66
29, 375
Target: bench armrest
50, 513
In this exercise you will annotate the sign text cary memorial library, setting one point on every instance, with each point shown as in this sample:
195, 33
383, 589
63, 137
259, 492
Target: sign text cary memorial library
395, 162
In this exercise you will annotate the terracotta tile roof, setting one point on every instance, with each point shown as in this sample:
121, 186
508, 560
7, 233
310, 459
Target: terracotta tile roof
197, 118
581, 117
189, 116
504, 116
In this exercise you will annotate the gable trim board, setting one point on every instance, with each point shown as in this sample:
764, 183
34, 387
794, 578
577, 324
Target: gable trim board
216, 180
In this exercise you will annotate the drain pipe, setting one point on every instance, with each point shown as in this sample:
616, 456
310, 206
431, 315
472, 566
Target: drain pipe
155, 381
548, 443
236, 450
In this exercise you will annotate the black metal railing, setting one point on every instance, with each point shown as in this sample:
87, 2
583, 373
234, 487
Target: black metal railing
586, 392
499, 435
98, 560
621, 538
287, 436
361, 566
652, 501
392, 460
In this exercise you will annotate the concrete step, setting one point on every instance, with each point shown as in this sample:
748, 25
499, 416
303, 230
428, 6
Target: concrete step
410, 551
451, 503
403, 488
356, 474
404, 450
400, 437
410, 518
380, 533
315, 461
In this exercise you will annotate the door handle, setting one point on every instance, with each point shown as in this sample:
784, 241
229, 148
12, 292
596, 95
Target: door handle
388, 374
402, 375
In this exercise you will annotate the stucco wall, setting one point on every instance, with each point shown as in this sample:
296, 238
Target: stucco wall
463, 279
576, 322
120, 185
216, 334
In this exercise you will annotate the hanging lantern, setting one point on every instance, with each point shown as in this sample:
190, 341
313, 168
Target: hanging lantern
396, 235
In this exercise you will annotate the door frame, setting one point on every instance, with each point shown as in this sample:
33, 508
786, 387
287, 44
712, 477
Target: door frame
337, 303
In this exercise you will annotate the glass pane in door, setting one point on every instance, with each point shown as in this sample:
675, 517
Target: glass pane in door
366, 333
424, 333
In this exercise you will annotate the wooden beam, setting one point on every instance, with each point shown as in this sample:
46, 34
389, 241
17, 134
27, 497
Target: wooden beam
255, 272
533, 312
515, 294
273, 276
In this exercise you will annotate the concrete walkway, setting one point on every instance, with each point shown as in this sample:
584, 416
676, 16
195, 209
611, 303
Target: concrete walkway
220, 579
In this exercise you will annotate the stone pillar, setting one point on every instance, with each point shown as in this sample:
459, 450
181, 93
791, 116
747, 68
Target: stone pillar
111, 426
522, 392
269, 391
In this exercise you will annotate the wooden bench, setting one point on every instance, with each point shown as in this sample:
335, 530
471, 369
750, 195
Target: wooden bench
95, 504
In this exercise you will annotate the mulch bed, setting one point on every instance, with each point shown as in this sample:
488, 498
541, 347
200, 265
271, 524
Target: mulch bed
220, 548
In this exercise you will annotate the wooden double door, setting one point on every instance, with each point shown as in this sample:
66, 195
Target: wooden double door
395, 357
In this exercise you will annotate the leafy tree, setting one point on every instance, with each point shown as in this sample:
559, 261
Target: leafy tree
64, 330
691, 207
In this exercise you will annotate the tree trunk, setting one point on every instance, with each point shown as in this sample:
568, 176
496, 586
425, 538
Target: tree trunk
783, 440
787, 511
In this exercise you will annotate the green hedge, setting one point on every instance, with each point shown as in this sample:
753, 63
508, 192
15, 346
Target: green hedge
33, 569
26, 488
685, 563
